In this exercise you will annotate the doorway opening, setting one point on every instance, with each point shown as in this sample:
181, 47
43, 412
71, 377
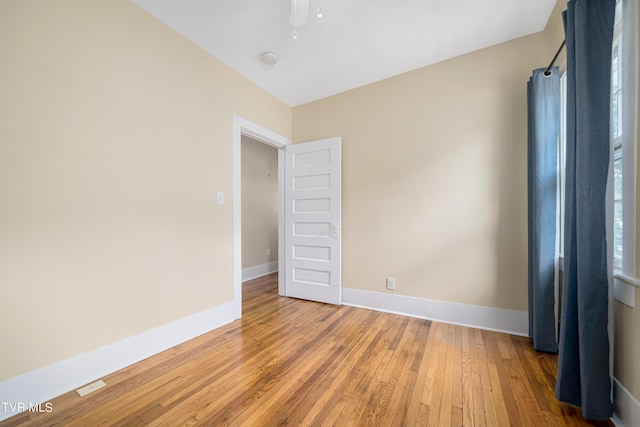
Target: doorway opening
248, 130
259, 189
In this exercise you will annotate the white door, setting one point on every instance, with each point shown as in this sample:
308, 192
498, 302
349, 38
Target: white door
312, 220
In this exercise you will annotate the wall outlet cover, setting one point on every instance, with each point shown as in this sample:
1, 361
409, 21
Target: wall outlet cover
391, 283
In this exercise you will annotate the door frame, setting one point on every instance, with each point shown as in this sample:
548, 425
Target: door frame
242, 126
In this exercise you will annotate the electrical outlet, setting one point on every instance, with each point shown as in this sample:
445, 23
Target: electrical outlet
391, 283
268, 251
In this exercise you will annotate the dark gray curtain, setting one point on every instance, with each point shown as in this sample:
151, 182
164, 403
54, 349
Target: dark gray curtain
542, 168
583, 360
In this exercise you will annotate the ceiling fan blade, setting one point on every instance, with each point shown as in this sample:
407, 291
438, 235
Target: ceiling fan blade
299, 13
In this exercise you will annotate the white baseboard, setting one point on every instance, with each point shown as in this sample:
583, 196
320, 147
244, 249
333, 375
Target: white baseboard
259, 270
626, 408
43, 384
493, 319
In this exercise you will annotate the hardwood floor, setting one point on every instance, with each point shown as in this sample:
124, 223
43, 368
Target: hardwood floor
292, 362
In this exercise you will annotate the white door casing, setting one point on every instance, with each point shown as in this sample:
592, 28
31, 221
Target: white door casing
312, 220
242, 126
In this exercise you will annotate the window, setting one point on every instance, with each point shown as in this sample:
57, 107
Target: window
616, 138
562, 150
623, 140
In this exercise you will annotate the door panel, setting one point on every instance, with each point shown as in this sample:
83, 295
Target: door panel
312, 220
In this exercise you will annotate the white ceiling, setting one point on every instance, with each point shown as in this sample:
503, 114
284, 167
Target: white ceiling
356, 42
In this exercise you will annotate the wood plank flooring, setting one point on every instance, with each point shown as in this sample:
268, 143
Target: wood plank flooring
292, 362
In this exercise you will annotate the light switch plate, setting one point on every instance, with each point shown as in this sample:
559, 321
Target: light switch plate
220, 198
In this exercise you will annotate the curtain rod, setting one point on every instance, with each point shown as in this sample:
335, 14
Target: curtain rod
547, 72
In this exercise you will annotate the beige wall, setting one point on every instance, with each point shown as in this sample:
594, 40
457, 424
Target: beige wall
259, 203
555, 32
434, 176
115, 135
627, 346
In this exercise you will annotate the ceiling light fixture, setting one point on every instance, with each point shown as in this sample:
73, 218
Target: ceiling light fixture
300, 14
269, 58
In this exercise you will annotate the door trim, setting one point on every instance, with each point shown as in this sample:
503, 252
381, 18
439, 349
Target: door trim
242, 126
